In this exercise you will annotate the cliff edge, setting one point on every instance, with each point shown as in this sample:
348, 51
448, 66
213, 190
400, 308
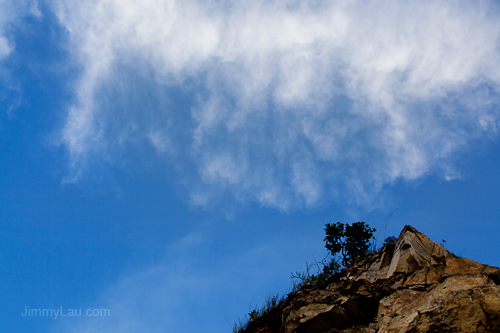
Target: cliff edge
413, 285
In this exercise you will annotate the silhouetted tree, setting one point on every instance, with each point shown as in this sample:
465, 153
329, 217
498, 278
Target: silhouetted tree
350, 241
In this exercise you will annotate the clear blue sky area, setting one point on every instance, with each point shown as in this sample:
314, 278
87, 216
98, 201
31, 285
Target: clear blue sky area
173, 162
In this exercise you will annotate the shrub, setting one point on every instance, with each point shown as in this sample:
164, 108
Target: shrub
389, 240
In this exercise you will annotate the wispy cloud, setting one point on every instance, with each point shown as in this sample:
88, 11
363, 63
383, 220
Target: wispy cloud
193, 283
291, 102
10, 12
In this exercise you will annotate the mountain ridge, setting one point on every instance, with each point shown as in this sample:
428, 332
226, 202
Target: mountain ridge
413, 285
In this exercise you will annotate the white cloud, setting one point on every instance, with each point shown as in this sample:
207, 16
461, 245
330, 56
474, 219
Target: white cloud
293, 102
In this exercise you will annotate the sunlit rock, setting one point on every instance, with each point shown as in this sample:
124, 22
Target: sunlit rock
414, 285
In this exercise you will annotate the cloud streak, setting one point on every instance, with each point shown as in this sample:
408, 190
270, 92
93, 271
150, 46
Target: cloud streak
290, 104
157, 298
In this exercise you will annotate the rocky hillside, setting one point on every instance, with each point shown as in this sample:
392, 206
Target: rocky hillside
414, 285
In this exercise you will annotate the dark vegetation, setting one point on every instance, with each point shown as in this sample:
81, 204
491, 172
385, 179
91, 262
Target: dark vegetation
345, 244
350, 241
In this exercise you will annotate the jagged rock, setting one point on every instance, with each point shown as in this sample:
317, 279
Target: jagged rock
415, 250
412, 286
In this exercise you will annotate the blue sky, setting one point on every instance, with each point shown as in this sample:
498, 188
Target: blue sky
175, 161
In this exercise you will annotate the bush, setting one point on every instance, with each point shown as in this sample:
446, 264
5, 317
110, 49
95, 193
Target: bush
348, 241
388, 241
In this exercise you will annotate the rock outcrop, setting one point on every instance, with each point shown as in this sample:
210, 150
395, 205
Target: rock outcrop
414, 285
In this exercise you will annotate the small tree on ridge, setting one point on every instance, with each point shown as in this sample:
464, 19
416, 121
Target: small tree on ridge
351, 241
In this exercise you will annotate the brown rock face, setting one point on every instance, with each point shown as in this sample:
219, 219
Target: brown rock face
414, 251
412, 286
